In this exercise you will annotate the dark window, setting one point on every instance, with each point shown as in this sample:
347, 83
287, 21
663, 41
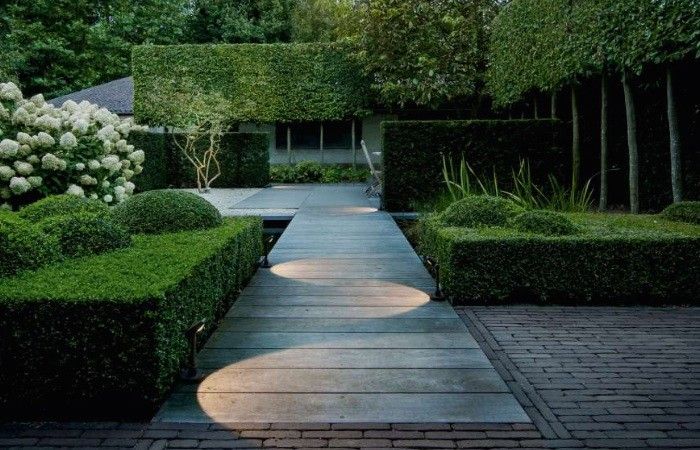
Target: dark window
307, 135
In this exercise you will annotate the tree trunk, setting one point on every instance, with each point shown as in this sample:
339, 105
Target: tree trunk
675, 139
553, 105
534, 107
631, 143
603, 205
575, 140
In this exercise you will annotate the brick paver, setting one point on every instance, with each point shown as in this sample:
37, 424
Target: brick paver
588, 377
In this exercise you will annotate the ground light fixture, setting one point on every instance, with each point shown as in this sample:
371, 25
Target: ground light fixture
434, 267
269, 242
190, 373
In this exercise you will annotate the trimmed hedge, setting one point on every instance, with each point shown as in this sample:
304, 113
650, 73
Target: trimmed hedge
412, 162
612, 260
23, 246
548, 223
683, 212
478, 211
109, 329
244, 159
85, 234
165, 211
262, 82
61, 205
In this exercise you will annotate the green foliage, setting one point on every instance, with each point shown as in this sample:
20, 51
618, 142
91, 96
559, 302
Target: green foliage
313, 172
324, 20
539, 221
109, 329
57, 47
164, 211
85, 234
614, 259
478, 211
413, 170
23, 246
244, 159
424, 52
61, 205
255, 21
262, 83
683, 212
544, 44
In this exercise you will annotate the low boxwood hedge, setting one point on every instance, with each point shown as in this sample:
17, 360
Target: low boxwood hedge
611, 260
108, 329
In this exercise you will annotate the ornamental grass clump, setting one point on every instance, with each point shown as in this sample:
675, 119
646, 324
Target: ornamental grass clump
479, 210
85, 234
164, 211
78, 149
548, 223
61, 205
23, 246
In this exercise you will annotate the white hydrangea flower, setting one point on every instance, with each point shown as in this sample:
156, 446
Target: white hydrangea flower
81, 126
24, 150
129, 187
38, 100
6, 172
120, 181
35, 181
68, 140
137, 157
48, 123
5, 193
19, 185
33, 159
108, 146
94, 196
6, 207
126, 164
10, 91
87, 180
120, 193
76, 190
128, 174
122, 146
4, 113
45, 139
23, 168
138, 169
103, 116
79, 167
124, 128
70, 106
52, 162
93, 164
111, 163
107, 198
24, 138
106, 184
22, 117
8, 148
104, 133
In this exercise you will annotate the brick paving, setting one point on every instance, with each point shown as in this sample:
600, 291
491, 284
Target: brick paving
588, 377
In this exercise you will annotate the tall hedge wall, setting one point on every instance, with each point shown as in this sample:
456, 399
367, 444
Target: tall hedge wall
244, 159
412, 150
261, 82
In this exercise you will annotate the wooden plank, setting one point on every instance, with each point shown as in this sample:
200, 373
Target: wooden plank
336, 408
350, 380
340, 312
391, 325
343, 300
277, 340
353, 291
211, 358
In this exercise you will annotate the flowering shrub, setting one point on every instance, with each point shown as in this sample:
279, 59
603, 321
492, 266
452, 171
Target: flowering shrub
77, 149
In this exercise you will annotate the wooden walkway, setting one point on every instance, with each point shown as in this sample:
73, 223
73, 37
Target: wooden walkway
341, 330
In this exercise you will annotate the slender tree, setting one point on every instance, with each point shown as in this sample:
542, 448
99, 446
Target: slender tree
553, 105
603, 201
674, 139
632, 149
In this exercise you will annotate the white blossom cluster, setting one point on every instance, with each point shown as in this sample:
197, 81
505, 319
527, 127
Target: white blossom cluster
78, 149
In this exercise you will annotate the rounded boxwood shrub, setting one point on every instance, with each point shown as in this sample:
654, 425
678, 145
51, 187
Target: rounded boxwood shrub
23, 246
61, 205
683, 212
164, 211
85, 234
479, 210
548, 223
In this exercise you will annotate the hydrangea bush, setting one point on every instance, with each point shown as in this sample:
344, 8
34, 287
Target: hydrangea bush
78, 149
